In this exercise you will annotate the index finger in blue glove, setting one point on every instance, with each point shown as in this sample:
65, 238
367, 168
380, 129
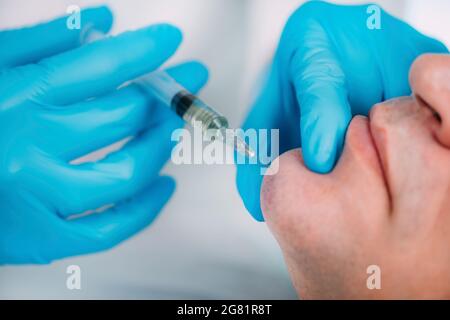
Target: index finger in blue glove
102, 66
96, 123
28, 45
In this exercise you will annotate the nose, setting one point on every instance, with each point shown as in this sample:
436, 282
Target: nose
430, 81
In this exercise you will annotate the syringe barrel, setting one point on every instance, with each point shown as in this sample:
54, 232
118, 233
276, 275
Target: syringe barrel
197, 113
160, 85
194, 111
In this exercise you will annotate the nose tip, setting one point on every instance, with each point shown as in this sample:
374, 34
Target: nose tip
430, 81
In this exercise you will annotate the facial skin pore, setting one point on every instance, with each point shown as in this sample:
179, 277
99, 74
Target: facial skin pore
387, 203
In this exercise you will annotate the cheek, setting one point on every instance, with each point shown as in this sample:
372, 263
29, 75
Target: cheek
293, 199
281, 191
308, 210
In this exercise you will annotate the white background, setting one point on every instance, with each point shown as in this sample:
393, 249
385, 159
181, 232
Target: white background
204, 245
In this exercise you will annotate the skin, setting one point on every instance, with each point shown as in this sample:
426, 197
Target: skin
387, 203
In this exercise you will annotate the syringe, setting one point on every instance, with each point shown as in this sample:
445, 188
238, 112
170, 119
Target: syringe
186, 105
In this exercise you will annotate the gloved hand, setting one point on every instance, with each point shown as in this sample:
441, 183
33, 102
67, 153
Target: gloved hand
329, 66
59, 101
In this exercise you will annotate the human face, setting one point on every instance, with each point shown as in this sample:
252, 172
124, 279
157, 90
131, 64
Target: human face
387, 203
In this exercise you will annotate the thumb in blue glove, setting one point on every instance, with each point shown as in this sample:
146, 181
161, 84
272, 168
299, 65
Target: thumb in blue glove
329, 66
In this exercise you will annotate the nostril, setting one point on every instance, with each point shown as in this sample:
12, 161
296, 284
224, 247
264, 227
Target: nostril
442, 129
437, 116
430, 81
424, 103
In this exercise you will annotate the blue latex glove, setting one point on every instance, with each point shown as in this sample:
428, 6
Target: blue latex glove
329, 67
59, 101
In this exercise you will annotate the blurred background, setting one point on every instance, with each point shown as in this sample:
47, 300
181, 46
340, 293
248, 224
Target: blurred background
204, 244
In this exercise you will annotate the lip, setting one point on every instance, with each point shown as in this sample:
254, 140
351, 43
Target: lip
388, 124
367, 144
378, 142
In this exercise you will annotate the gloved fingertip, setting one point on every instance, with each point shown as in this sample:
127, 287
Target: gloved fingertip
100, 17
199, 70
192, 75
321, 163
156, 196
323, 135
168, 35
248, 181
320, 151
441, 47
258, 215
253, 205
166, 184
